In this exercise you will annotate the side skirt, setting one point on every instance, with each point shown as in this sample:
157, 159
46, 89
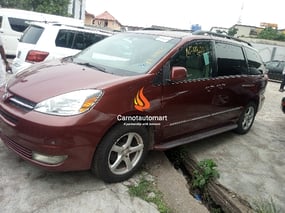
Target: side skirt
192, 138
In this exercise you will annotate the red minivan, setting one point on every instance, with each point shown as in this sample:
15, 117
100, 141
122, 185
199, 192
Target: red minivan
104, 108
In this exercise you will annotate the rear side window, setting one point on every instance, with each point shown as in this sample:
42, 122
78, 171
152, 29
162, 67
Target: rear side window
230, 60
65, 38
1, 21
76, 40
255, 63
32, 34
18, 24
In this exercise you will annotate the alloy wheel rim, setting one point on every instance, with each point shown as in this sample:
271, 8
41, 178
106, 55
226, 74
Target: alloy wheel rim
248, 118
125, 153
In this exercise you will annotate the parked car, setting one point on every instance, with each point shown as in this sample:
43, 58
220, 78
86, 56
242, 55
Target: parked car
283, 104
13, 23
275, 69
106, 107
46, 41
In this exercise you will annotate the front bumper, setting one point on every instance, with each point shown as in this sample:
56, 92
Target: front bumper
51, 142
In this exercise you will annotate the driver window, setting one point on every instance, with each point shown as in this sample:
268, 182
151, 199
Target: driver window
196, 58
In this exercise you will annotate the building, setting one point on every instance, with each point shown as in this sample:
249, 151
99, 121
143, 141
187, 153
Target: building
247, 31
242, 30
89, 18
106, 20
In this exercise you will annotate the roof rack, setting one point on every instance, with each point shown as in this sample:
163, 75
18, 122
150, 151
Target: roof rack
83, 27
201, 32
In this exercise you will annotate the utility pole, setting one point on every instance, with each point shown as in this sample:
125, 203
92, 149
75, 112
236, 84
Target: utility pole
240, 15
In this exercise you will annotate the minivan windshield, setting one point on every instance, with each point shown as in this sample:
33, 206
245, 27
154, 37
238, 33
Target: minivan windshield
126, 53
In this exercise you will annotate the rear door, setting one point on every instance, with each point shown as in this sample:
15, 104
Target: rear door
233, 90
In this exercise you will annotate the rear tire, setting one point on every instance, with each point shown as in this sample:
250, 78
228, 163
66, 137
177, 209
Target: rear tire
120, 153
246, 119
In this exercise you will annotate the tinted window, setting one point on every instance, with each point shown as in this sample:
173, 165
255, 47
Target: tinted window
32, 34
272, 64
255, 63
230, 60
196, 58
0, 21
282, 64
91, 38
18, 25
76, 40
65, 38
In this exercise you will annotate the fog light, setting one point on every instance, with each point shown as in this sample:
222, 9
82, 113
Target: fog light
49, 159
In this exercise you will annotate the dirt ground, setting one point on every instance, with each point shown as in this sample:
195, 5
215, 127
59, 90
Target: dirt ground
252, 165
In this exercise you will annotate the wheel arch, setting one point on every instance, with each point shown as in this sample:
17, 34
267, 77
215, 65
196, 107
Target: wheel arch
115, 122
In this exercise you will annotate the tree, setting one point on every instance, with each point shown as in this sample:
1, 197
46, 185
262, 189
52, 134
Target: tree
55, 7
232, 31
271, 34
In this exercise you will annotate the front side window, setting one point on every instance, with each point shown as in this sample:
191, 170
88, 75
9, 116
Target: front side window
127, 53
230, 60
196, 57
272, 64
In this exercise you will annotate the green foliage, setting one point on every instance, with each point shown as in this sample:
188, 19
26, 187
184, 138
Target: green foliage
55, 7
232, 31
271, 34
206, 172
144, 189
264, 206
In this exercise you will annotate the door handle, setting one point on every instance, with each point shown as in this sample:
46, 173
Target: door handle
221, 86
209, 88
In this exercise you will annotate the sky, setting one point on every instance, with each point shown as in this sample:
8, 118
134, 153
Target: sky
184, 13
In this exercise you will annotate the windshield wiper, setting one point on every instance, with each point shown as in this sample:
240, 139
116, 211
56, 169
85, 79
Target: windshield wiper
100, 68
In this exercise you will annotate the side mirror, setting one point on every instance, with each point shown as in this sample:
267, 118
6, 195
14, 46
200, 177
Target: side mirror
178, 74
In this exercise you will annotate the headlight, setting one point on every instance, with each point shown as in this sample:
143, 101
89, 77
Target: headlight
72, 103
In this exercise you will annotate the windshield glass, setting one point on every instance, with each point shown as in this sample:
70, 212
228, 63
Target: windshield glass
126, 53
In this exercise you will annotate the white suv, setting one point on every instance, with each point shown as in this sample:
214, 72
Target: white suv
45, 41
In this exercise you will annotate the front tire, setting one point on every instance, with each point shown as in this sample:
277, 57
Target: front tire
120, 153
246, 119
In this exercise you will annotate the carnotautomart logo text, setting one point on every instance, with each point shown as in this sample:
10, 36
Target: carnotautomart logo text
141, 103
139, 120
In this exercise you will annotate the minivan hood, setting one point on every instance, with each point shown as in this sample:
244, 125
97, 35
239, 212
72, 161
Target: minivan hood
56, 77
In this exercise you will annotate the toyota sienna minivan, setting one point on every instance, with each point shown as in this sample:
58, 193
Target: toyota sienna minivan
106, 107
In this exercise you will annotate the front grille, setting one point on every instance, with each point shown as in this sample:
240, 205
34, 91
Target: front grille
22, 151
22, 103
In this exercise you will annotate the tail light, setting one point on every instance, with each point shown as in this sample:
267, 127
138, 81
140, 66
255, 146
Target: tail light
36, 56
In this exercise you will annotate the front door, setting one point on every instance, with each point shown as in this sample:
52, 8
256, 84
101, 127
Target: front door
189, 104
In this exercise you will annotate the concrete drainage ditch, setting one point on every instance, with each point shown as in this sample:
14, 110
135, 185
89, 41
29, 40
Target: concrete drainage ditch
215, 197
